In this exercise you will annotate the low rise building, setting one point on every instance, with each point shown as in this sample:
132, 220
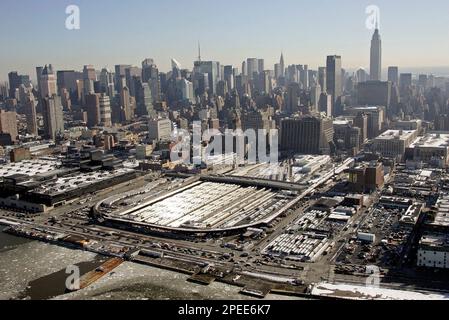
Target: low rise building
432, 149
393, 143
433, 251
366, 177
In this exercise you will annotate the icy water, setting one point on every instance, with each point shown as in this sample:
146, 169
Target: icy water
35, 270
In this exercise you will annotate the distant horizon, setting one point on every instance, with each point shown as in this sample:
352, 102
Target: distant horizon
437, 71
112, 32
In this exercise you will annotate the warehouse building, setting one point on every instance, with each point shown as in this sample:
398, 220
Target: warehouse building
433, 251
431, 149
393, 143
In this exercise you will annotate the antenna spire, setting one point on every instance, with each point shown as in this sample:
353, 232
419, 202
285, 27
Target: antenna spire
199, 51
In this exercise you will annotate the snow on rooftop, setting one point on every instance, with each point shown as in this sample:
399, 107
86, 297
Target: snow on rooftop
29, 167
372, 293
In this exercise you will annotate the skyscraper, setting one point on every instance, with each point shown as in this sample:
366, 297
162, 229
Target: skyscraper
228, 76
333, 79
307, 135
252, 65
292, 101
128, 111
405, 82
53, 116
376, 57
282, 65
212, 69
105, 110
93, 109
393, 75
361, 75
39, 71
107, 82
261, 65
150, 74
322, 78
30, 113
8, 124
15, 81
89, 77
144, 100
120, 71
47, 82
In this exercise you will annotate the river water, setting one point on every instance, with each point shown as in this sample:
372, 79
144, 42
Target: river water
36, 270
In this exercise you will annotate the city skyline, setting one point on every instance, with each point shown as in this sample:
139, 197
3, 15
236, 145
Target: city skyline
107, 46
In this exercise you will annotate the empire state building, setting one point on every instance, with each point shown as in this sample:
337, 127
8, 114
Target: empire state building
376, 57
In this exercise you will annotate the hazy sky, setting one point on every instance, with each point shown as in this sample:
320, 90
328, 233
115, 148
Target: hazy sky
32, 32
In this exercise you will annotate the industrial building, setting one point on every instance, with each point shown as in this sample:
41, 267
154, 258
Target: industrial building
42, 184
393, 143
433, 251
366, 177
307, 135
196, 205
433, 149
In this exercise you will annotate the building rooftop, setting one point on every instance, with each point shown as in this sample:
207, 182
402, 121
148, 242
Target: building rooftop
30, 167
435, 241
442, 216
432, 140
396, 134
78, 180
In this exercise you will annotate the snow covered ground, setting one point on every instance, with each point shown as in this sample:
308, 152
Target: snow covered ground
371, 293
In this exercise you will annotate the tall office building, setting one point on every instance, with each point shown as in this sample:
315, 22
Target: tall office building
159, 129
228, 76
53, 116
47, 82
304, 77
39, 71
315, 95
322, 79
107, 84
333, 79
8, 124
405, 82
125, 102
15, 81
252, 65
89, 77
144, 100
282, 65
212, 69
30, 113
150, 74
244, 70
186, 88
374, 93
261, 65
376, 57
361, 75
393, 75
105, 110
131, 74
307, 135
292, 99
67, 79
93, 109
120, 71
